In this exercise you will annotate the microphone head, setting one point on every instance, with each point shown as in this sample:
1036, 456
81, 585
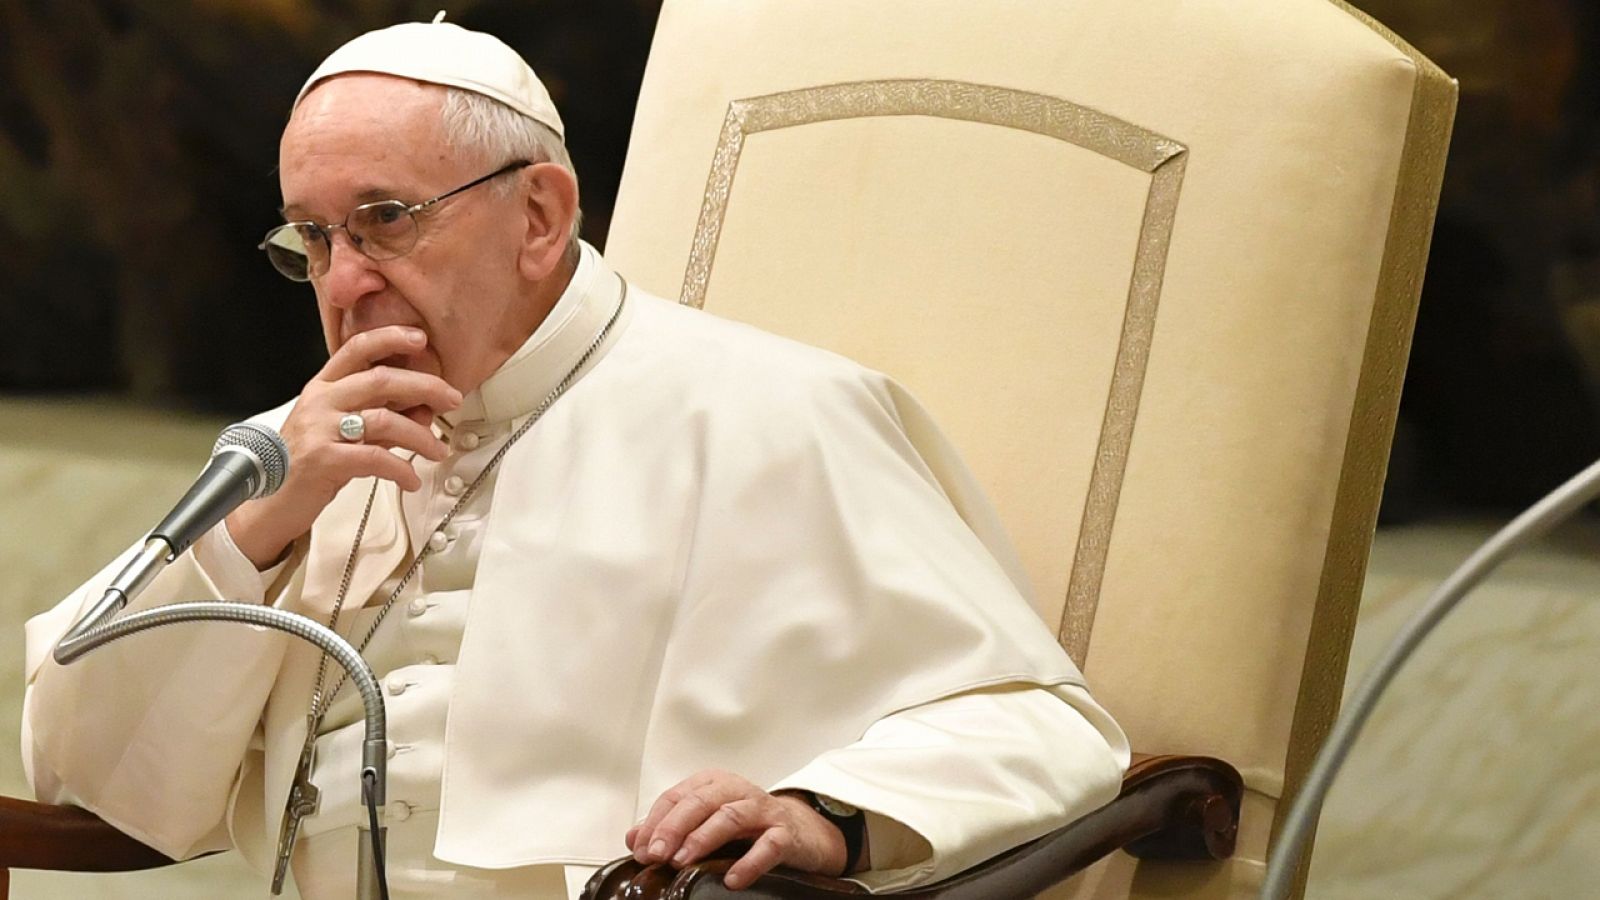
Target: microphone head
264, 447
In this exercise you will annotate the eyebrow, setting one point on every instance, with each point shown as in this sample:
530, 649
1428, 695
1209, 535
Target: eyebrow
295, 212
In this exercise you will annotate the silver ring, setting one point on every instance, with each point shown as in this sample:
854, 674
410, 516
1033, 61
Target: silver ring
352, 428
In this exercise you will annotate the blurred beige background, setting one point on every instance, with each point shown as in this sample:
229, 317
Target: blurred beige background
81, 480
1476, 779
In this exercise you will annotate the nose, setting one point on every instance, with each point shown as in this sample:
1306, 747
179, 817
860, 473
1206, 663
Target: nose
350, 276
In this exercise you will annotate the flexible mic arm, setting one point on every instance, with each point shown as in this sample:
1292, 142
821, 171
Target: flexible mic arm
374, 755
1549, 512
100, 626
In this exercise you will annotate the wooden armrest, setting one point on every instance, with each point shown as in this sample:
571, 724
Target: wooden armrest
1170, 807
66, 838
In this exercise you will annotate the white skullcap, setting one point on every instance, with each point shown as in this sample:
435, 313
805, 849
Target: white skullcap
439, 52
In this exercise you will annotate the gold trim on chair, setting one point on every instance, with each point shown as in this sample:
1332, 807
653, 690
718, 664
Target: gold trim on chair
1160, 157
1372, 420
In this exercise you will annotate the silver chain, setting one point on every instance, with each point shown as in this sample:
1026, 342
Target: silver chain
320, 701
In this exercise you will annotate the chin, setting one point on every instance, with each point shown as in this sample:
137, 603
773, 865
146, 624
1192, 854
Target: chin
419, 362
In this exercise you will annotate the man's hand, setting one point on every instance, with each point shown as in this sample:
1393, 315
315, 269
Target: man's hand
397, 405
709, 809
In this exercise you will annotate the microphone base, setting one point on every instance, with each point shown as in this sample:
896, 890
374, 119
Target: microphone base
134, 577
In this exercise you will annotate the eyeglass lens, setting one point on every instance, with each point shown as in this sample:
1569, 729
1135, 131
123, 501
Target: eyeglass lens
382, 230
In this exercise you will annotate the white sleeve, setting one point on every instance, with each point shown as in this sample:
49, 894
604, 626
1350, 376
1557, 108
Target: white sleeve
148, 732
951, 783
235, 576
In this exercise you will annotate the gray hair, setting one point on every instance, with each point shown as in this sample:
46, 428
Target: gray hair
483, 125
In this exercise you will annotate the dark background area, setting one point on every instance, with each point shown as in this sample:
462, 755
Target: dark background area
138, 140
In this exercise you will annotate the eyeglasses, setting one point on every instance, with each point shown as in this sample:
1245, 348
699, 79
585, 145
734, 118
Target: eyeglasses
382, 230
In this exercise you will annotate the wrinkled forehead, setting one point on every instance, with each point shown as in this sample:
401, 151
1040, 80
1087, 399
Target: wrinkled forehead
353, 134
358, 105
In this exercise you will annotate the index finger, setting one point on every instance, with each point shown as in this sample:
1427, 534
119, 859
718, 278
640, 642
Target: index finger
644, 832
364, 350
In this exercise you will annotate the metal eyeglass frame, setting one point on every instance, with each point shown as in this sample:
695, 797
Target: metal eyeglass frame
409, 210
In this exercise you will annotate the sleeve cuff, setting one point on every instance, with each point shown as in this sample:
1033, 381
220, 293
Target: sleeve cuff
955, 781
899, 855
235, 576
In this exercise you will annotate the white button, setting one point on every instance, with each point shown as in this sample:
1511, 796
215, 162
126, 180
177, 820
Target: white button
416, 607
454, 485
438, 541
396, 685
430, 660
398, 811
468, 440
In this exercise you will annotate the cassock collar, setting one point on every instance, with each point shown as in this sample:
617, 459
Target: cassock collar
530, 374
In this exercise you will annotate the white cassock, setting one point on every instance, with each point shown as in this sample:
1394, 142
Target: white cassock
720, 549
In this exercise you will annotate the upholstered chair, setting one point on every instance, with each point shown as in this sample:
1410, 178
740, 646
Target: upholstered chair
1152, 266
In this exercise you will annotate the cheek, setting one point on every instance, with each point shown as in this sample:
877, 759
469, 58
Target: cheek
447, 344
330, 326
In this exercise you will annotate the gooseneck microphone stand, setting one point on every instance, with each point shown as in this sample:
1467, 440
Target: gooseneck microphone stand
100, 627
1554, 509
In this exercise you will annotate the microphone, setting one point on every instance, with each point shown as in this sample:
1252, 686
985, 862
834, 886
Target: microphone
248, 461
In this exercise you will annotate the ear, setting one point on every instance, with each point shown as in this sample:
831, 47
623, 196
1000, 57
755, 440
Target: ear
550, 203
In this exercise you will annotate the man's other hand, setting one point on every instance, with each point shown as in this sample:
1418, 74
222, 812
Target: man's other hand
709, 809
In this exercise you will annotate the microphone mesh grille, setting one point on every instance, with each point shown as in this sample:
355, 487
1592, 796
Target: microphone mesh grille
265, 445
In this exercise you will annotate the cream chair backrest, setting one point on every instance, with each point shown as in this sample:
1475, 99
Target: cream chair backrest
1153, 267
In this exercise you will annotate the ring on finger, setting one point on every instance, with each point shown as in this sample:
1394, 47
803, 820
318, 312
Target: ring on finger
352, 428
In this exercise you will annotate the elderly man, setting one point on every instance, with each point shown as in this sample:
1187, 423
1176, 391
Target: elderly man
635, 579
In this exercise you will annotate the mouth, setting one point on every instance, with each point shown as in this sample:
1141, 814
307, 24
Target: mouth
398, 361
